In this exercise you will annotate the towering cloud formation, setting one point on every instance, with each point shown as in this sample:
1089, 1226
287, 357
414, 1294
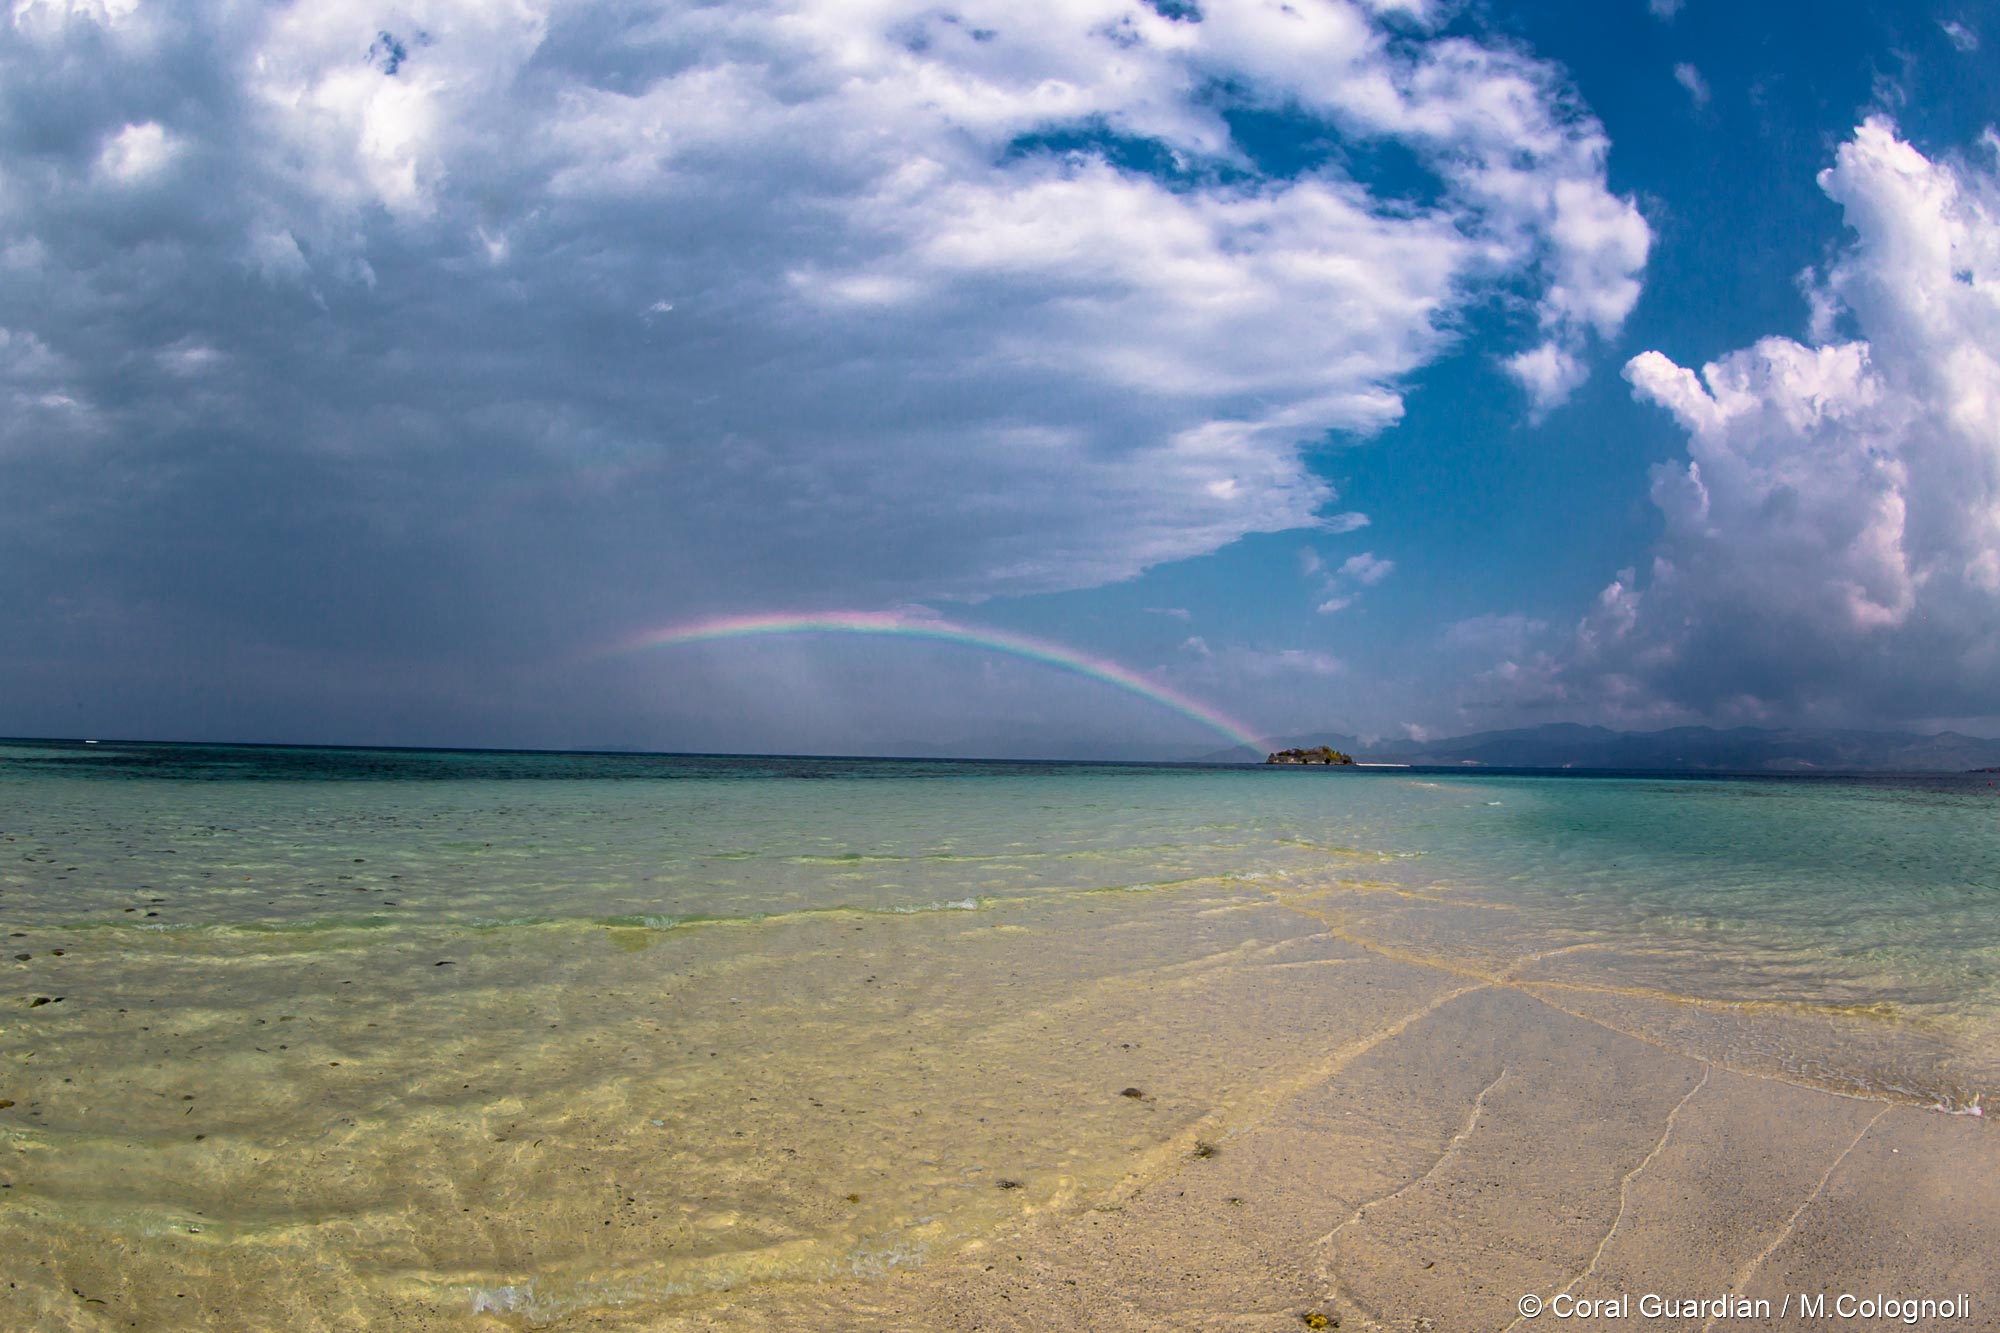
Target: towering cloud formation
350, 336
1832, 544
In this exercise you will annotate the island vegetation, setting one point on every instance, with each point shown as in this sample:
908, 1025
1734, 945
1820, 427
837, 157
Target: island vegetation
1324, 754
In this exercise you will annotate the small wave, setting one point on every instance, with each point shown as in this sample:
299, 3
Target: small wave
539, 1306
1351, 853
895, 858
540, 1302
879, 1262
955, 905
509, 1299
310, 926
850, 859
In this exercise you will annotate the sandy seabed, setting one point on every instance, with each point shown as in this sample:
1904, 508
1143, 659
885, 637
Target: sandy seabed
1200, 1108
1478, 1146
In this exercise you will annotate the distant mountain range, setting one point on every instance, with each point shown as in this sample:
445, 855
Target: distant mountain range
1691, 749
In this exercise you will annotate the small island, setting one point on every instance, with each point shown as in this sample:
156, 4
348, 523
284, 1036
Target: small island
1325, 754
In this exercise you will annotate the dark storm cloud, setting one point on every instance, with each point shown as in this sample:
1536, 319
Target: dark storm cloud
348, 346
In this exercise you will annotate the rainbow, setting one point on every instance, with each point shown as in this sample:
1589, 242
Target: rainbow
943, 631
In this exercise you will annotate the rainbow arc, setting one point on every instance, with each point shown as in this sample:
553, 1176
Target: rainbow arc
943, 631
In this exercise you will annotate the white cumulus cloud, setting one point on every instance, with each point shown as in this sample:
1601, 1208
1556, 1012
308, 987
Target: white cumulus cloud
1550, 373
1832, 540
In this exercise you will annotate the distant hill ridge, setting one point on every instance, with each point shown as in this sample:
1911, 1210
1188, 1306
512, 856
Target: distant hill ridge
1690, 749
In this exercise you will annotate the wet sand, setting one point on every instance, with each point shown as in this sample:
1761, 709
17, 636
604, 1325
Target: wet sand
1212, 1106
1476, 1145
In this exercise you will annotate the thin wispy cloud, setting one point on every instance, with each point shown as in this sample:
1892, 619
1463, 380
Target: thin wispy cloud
1689, 78
1367, 568
1508, 634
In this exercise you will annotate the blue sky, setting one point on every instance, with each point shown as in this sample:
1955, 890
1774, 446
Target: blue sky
374, 367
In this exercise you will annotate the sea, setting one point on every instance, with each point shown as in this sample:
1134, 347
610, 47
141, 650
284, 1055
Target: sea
305, 1037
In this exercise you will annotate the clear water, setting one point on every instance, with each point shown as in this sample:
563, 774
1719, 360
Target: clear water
355, 1034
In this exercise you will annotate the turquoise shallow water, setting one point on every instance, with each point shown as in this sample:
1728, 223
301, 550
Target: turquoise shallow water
376, 1032
1766, 888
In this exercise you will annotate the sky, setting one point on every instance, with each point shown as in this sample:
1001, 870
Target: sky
448, 373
